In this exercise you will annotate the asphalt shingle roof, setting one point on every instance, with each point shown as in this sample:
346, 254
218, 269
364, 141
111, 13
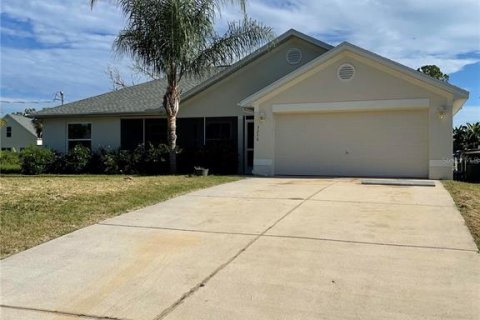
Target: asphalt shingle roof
143, 98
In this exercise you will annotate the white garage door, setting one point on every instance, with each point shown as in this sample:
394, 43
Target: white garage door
382, 144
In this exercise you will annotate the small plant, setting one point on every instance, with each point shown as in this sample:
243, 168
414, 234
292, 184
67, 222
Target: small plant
36, 160
200, 171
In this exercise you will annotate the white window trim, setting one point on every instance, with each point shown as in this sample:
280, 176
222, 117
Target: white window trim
68, 138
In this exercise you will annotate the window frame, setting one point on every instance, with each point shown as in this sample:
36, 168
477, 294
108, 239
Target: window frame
8, 131
68, 140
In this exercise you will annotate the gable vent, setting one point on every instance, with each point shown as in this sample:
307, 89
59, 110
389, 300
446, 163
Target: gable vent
294, 56
346, 72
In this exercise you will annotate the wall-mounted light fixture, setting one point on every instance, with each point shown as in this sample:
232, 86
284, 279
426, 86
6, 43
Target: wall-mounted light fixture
261, 116
442, 112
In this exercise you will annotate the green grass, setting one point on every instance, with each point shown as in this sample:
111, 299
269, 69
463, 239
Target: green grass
35, 209
467, 197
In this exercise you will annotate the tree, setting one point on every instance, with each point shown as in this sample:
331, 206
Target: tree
116, 78
466, 136
473, 135
173, 39
434, 72
459, 138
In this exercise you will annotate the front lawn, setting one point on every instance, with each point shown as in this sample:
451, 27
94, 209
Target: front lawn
467, 197
34, 209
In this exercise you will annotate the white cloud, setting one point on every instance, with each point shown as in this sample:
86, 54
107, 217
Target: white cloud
468, 114
414, 32
78, 40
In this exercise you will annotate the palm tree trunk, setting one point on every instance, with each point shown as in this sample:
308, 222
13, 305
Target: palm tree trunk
172, 142
171, 103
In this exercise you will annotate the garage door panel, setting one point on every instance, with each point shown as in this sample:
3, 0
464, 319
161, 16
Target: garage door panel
390, 143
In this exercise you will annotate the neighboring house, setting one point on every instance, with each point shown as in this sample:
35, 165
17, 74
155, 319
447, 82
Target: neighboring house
302, 107
17, 133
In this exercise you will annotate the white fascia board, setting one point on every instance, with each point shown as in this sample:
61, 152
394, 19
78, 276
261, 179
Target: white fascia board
458, 105
348, 106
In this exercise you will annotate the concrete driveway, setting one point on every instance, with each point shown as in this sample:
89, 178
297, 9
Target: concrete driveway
272, 248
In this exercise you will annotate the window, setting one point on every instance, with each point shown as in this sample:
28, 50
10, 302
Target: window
131, 132
79, 134
9, 132
190, 133
134, 132
156, 131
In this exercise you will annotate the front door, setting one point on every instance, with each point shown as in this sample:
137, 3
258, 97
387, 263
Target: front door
248, 143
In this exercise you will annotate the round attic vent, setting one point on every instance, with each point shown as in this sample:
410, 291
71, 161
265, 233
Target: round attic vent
294, 56
346, 72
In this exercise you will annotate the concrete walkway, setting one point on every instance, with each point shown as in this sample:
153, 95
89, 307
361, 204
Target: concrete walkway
272, 248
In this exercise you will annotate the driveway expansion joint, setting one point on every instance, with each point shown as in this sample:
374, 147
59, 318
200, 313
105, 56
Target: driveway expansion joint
384, 203
204, 282
62, 313
290, 237
245, 197
372, 243
177, 229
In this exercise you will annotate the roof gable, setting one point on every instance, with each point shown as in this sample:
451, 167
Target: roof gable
24, 122
312, 67
255, 55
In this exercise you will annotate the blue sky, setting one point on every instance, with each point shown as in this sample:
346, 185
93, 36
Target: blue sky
48, 46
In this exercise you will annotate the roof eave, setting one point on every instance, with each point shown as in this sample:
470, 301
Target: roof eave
98, 114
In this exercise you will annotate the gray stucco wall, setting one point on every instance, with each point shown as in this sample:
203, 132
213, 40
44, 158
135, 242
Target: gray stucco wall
105, 132
221, 99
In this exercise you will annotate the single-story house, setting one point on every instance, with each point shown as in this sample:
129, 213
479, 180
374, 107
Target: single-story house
17, 133
301, 107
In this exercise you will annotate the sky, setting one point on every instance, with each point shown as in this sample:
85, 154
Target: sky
59, 45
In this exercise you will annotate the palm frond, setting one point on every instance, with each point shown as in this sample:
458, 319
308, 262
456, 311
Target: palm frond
240, 39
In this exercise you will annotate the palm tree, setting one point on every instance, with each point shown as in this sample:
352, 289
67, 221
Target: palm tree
174, 39
466, 136
472, 135
459, 138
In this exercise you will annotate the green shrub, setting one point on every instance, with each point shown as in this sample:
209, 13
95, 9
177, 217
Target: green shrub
150, 159
77, 159
36, 160
110, 161
9, 162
